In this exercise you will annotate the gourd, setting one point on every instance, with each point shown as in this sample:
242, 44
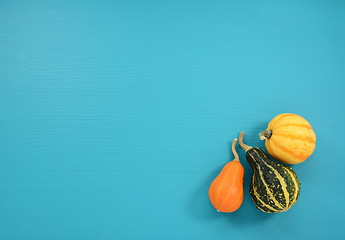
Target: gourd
226, 190
274, 187
289, 138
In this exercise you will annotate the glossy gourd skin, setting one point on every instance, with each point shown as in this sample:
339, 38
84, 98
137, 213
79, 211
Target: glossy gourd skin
274, 187
289, 138
226, 190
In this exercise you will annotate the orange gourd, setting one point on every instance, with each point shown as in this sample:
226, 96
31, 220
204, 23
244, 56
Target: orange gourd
289, 138
226, 191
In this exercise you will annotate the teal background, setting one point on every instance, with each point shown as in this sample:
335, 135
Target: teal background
115, 116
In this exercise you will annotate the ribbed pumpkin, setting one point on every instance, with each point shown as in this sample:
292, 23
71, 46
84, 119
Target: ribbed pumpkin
226, 191
274, 187
289, 138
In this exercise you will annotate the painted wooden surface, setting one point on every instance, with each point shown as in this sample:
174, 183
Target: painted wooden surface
115, 116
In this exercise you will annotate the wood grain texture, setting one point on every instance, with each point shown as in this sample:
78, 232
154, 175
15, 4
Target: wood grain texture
115, 116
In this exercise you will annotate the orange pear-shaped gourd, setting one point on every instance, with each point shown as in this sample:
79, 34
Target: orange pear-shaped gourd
226, 191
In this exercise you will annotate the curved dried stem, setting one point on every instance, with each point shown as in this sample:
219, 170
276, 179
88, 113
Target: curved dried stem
240, 141
234, 150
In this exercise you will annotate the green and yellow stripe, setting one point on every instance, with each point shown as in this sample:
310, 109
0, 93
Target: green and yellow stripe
268, 190
287, 184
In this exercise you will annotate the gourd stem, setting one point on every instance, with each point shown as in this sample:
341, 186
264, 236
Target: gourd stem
234, 150
265, 134
240, 141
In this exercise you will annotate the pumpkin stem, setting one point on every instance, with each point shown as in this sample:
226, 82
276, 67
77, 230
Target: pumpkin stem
265, 134
234, 150
240, 141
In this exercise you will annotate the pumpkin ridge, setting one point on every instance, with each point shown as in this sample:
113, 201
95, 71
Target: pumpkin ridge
299, 157
265, 184
294, 125
281, 117
269, 149
294, 137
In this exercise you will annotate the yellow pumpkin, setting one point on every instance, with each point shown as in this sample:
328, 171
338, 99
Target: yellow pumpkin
289, 138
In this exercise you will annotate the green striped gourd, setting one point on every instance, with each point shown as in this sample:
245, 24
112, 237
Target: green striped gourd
274, 187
